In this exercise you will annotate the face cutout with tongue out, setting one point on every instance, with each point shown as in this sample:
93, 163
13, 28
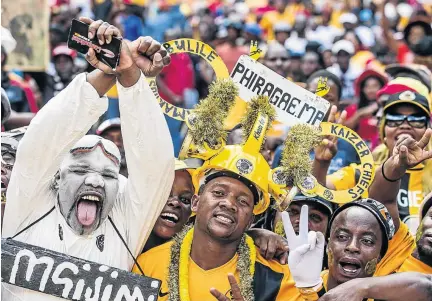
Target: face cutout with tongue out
87, 188
355, 240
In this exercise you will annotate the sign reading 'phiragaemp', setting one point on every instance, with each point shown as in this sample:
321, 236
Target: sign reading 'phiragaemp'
72, 278
293, 104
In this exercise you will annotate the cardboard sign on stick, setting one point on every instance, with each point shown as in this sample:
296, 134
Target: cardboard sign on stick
293, 104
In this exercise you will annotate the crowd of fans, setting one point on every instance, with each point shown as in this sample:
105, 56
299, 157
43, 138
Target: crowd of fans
377, 59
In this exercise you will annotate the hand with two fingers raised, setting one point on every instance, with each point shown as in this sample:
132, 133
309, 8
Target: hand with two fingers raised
407, 153
235, 290
306, 251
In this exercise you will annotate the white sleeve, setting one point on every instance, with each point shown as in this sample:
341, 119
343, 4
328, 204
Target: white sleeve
55, 129
150, 160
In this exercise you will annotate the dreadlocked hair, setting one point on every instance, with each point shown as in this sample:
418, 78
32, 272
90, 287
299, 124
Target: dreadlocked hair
211, 112
258, 104
296, 162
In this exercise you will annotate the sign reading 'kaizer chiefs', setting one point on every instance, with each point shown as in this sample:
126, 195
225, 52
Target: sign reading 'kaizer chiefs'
293, 104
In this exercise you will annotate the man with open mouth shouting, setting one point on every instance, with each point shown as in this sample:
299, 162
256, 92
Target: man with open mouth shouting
404, 253
65, 193
358, 238
177, 209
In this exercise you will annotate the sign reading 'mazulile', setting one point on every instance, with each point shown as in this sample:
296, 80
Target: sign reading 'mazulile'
72, 278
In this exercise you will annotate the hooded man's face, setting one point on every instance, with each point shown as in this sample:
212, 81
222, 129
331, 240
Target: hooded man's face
416, 34
87, 186
354, 245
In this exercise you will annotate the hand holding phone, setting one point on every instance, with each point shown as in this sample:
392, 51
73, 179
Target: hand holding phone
96, 38
99, 37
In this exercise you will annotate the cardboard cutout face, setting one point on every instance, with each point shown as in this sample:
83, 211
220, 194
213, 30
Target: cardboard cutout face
88, 184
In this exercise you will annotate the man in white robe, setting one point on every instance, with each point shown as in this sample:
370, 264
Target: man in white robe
58, 166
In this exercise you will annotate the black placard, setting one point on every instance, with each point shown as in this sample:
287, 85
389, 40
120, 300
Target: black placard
78, 40
68, 277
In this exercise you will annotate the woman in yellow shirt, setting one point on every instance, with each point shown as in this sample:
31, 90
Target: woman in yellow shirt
405, 114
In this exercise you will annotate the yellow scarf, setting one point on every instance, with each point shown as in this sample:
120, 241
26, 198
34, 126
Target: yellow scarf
400, 248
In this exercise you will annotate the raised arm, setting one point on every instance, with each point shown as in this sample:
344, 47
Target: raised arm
326, 151
395, 287
385, 26
148, 146
54, 130
407, 153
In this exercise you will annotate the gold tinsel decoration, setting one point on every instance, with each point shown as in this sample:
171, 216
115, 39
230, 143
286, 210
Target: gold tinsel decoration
279, 229
174, 266
224, 92
258, 104
296, 162
243, 266
211, 112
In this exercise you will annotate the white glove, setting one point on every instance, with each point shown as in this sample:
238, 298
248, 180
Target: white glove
306, 251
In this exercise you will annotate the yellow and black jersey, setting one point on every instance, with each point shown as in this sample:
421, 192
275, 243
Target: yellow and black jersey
412, 264
272, 281
410, 193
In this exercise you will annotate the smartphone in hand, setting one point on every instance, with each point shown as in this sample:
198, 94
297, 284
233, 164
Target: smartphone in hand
106, 53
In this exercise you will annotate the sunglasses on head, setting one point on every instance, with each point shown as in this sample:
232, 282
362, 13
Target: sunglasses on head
418, 122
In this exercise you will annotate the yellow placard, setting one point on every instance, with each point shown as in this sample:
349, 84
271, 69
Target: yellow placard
194, 47
310, 186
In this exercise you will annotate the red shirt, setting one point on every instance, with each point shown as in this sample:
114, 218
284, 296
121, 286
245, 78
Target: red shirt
230, 54
367, 127
404, 54
15, 80
179, 75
